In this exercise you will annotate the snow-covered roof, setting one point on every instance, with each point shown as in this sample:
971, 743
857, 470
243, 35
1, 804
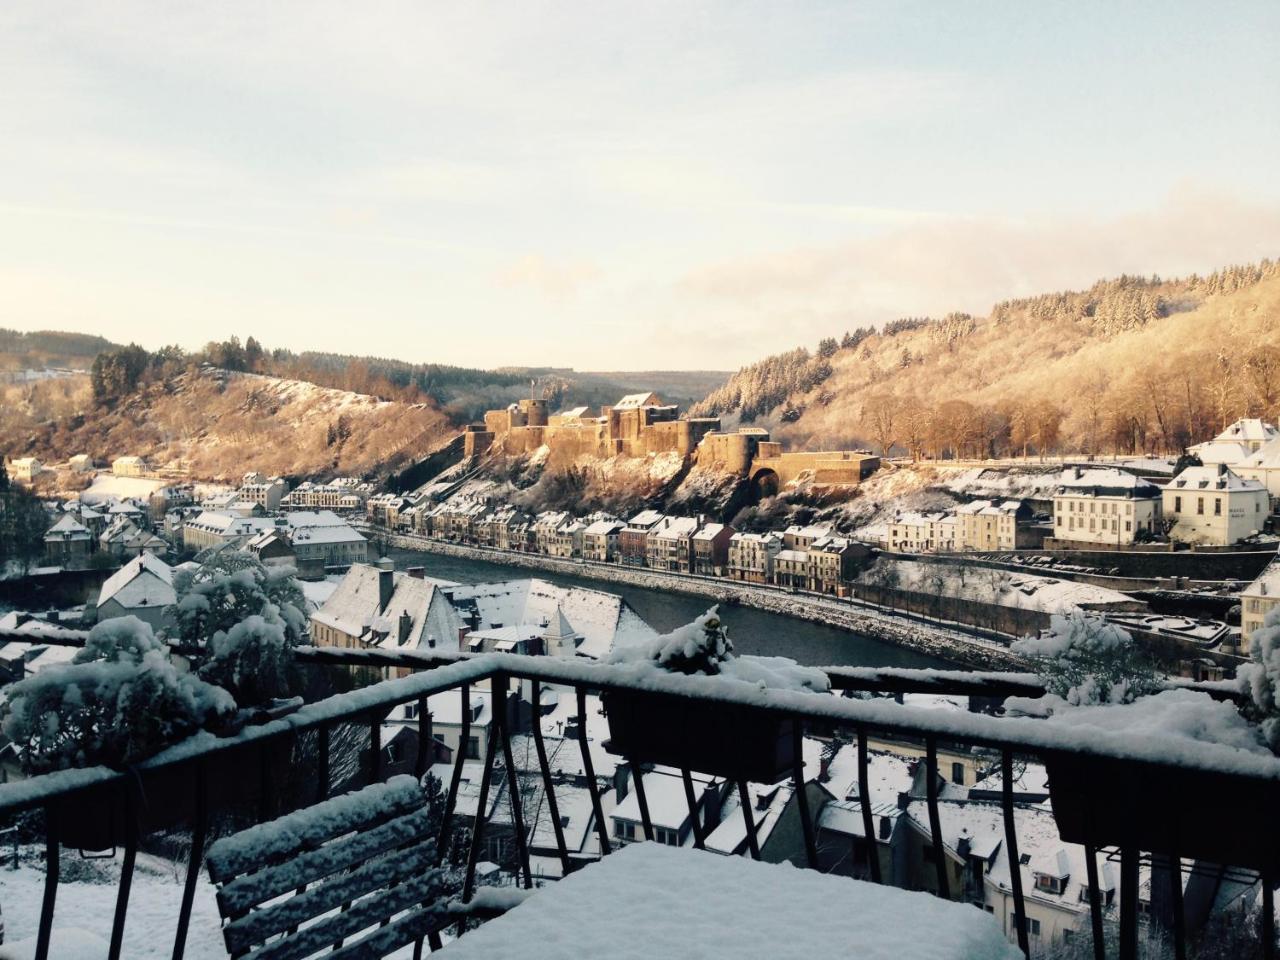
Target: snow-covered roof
145, 581
1249, 430
1266, 457
228, 525
915, 519
709, 531
1212, 452
634, 401
812, 530
337, 534
1104, 482
664, 791
794, 556
603, 528
674, 528
1214, 478
644, 519
1267, 584
604, 620
354, 608
574, 413
67, 528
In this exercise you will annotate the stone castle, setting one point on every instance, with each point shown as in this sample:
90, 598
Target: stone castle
640, 424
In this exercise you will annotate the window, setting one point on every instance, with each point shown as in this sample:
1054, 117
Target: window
1033, 925
1200, 506
957, 773
1217, 506
1128, 526
624, 829
1177, 504
473, 748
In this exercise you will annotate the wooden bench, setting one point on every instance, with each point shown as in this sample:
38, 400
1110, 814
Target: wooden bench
356, 873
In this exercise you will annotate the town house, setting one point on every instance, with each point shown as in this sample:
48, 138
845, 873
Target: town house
1105, 507
668, 545
632, 539
1213, 505
711, 549
751, 556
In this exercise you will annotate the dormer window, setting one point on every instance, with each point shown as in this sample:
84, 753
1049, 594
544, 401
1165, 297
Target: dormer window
1050, 884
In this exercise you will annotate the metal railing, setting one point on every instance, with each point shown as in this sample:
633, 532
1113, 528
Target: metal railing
1003, 739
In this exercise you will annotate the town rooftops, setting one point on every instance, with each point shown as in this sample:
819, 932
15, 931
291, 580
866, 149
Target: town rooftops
1230, 452
145, 581
1213, 478
813, 530
795, 556
664, 791
603, 528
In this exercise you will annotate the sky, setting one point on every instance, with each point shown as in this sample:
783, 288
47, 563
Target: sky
613, 186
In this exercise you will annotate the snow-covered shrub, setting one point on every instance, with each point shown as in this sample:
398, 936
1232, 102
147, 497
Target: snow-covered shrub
248, 617
703, 647
1261, 678
119, 702
1085, 660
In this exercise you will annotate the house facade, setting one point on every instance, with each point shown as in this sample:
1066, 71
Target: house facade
1106, 507
751, 556
1256, 601
1215, 506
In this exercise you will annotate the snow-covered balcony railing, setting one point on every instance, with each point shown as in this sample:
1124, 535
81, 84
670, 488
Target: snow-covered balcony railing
1008, 739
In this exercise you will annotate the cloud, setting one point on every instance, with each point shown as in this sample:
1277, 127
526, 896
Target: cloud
941, 263
553, 279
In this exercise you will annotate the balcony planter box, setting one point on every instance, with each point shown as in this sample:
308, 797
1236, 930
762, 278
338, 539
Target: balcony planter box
724, 739
1191, 813
95, 819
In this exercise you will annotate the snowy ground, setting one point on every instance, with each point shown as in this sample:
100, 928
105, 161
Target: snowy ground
990, 585
85, 907
106, 486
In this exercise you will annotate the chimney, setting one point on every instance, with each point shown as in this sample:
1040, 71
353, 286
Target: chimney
824, 769
418, 573
406, 624
386, 583
886, 828
711, 806
1076, 472
622, 780
1222, 469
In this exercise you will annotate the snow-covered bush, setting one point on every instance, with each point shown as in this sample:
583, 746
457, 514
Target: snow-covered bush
1261, 678
1085, 660
703, 647
119, 702
248, 617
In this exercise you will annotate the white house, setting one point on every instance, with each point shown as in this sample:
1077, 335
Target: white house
376, 606
1256, 601
1235, 443
1263, 465
24, 469
81, 463
129, 466
142, 588
68, 541
1102, 505
1213, 505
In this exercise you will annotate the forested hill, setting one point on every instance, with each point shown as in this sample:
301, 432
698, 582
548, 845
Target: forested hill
38, 349
1132, 364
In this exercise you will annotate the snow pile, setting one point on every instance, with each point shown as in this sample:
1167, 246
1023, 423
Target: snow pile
741, 909
704, 647
1085, 660
1174, 719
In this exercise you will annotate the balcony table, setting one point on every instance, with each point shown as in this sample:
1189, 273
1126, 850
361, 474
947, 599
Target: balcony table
648, 900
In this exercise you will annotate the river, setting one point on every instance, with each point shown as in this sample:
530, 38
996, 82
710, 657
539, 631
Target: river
752, 631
